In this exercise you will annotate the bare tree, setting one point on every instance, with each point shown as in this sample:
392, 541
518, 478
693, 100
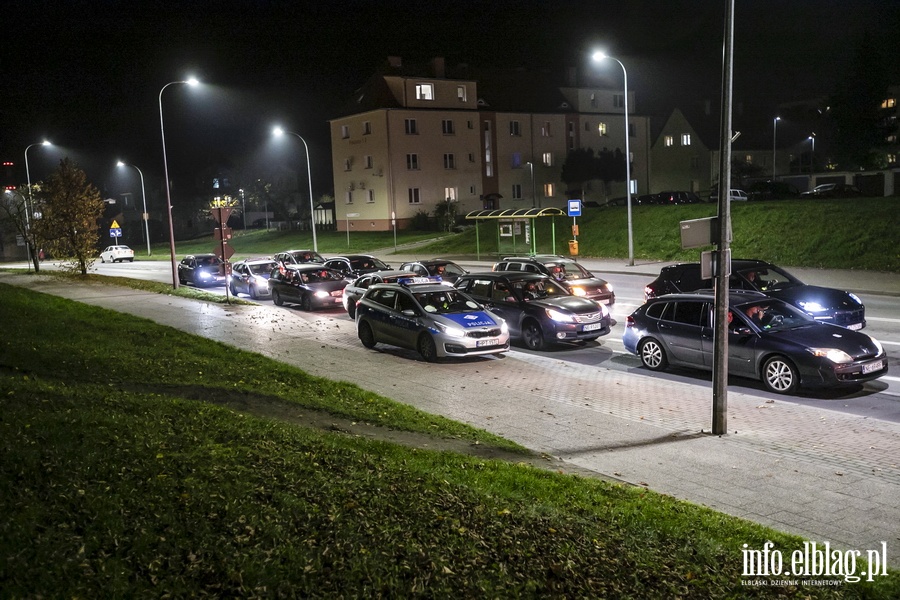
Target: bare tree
14, 214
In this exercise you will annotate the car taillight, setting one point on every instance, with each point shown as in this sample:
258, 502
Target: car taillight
629, 321
648, 292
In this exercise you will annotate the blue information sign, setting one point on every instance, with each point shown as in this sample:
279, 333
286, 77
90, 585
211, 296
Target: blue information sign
574, 208
115, 232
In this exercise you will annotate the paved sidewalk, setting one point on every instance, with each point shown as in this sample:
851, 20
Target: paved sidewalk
824, 475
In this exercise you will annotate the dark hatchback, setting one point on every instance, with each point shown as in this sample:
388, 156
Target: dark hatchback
827, 305
569, 273
537, 309
309, 285
201, 270
769, 340
354, 265
447, 270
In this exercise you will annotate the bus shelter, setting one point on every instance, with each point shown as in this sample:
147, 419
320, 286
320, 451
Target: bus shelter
515, 228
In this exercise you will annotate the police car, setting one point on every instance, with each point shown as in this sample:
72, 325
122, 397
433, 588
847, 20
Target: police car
423, 314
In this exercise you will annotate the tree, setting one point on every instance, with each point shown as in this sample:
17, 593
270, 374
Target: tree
610, 167
445, 214
67, 212
14, 214
579, 168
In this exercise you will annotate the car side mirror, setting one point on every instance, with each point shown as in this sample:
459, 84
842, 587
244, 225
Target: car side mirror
742, 331
409, 312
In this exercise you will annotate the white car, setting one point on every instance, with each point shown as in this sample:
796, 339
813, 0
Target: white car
116, 254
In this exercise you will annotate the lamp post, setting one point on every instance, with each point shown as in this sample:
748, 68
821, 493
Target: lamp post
144, 197
278, 131
774, 133
192, 81
30, 203
533, 192
598, 56
812, 154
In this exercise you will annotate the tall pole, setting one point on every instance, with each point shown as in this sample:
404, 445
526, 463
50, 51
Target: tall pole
533, 189
162, 132
723, 256
30, 203
144, 196
774, 146
312, 208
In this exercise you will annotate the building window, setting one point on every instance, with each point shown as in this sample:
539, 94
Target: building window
669, 141
545, 130
488, 160
748, 158
449, 161
367, 128
447, 127
514, 128
548, 159
424, 91
516, 160
587, 126
414, 195
685, 139
412, 162
461, 93
517, 191
347, 163
889, 103
601, 128
371, 199
450, 194
345, 131
472, 190
594, 103
548, 190
891, 158
471, 157
411, 127
368, 161
470, 124
619, 100
349, 198
695, 162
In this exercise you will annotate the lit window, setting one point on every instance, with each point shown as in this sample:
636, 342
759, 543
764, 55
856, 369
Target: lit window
461, 93
424, 91
514, 128
411, 127
367, 128
748, 158
891, 158
413, 195
548, 190
449, 161
371, 199
889, 103
601, 128
545, 130
450, 194
669, 140
447, 127
685, 139
548, 159
517, 191
345, 131
412, 162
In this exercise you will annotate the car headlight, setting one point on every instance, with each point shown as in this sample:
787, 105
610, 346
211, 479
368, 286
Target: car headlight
609, 288
560, 317
321, 294
260, 280
577, 291
812, 307
205, 275
504, 328
454, 332
832, 354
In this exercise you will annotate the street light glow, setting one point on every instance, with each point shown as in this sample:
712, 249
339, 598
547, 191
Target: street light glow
278, 132
145, 216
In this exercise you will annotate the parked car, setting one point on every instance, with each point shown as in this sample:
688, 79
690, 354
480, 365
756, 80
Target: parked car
116, 254
670, 198
297, 257
769, 340
354, 265
310, 285
446, 269
538, 310
735, 195
823, 304
432, 318
568, 272
201, 270
772, 190
251, 277
357, 288
832, 190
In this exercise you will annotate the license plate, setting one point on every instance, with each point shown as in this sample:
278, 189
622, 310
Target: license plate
490, 342
855, 326
872, 367
593, 326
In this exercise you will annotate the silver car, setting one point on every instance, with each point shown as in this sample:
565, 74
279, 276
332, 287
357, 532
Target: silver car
432, 318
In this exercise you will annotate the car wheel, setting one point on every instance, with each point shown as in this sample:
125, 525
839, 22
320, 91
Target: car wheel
426, 348
351, 309
253, 293
130, 260
102, 260
233, 289
780, 375
365, 335
181, 279
533, 336
276, 298
652, 355
305, 303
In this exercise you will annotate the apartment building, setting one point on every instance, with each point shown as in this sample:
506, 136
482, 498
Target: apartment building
413, 138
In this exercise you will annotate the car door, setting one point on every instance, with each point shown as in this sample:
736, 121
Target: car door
742, 346
681, 327
241, 276
405, 327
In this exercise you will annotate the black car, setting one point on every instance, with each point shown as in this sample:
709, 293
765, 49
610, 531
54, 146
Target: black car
832, 190
201, 270
672, 198
356, 288
441, 267
310, 285
824, 304
538, 310
568, 272
354, 265
298, 257
772, 190
251, 277
769, 340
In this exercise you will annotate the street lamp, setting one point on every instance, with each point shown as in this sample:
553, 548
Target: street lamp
774, 133
533, 193
192, 82
812, 155
144, 197
278, 131
598, 56
30, 194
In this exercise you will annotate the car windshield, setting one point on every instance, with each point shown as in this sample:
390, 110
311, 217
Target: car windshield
536, 289
305, 256
209, 261
445, 301
368, 263
769, 315
568, 270
320, 276
768, 279
445, 269
261, 268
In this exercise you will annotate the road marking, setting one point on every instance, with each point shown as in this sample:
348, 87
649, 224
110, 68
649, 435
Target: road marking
886, 378
889, 343
884, 319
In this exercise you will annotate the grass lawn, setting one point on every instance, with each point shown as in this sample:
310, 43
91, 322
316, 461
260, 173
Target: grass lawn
123, 475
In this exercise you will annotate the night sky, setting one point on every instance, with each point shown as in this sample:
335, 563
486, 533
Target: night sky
87, 75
